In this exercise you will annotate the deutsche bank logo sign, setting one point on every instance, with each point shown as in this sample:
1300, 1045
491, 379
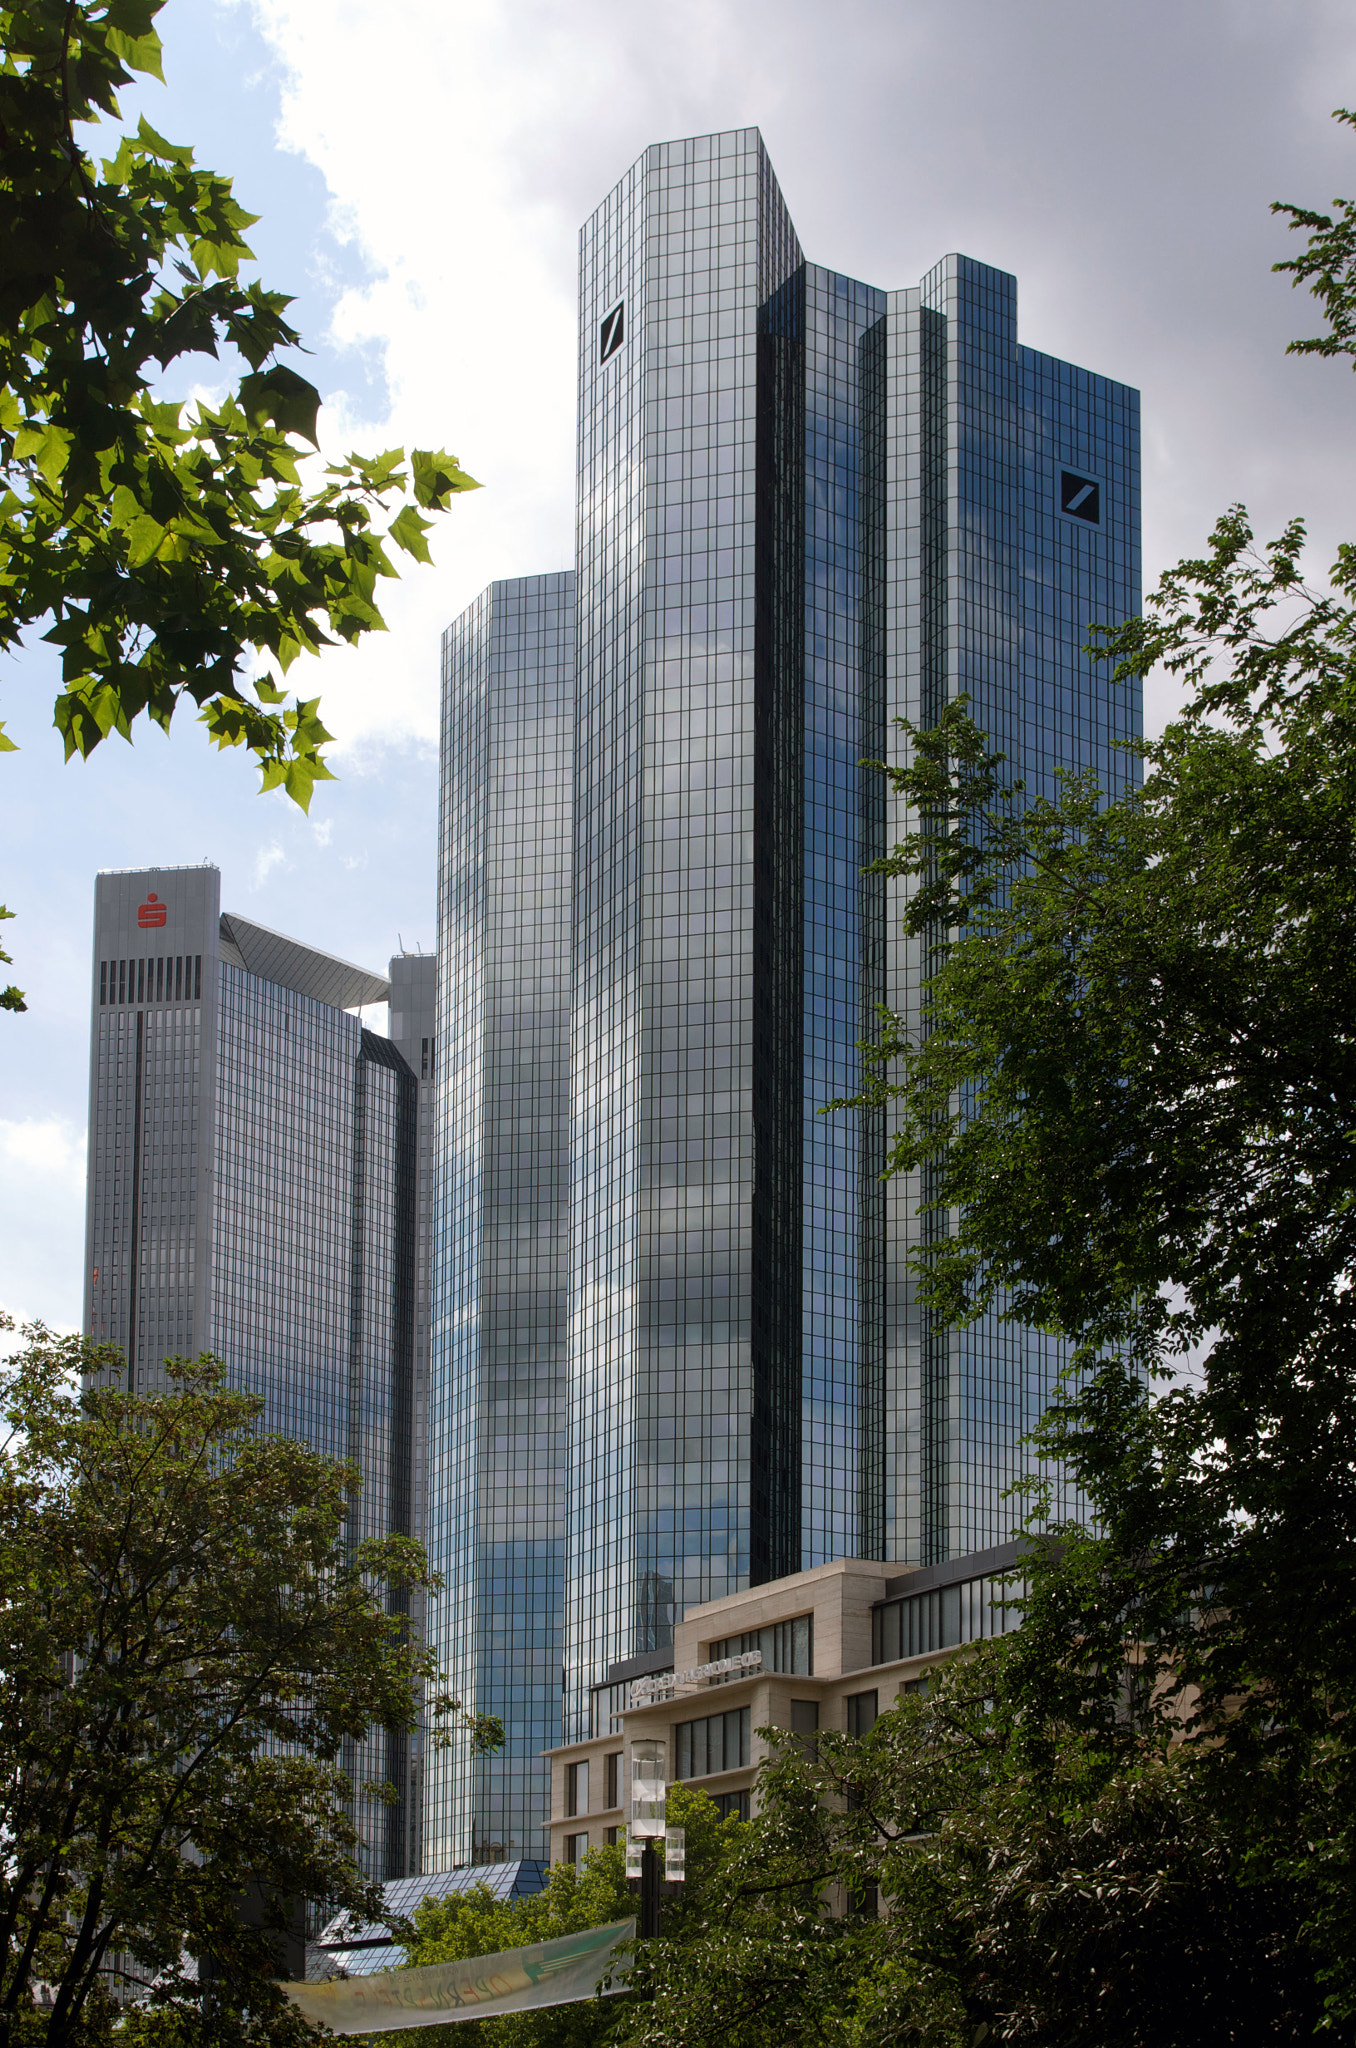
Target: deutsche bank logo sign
1080, 497
612, 332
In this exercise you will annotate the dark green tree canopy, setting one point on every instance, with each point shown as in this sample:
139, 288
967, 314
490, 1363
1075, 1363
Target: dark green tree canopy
1095, 1901
189, 1640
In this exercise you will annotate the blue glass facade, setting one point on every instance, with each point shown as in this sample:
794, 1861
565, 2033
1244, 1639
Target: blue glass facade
987, 586
682, 1421
501, 1210
841, 1266
806, 506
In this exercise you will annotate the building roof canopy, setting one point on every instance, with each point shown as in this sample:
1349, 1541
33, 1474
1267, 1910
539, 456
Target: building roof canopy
303, 969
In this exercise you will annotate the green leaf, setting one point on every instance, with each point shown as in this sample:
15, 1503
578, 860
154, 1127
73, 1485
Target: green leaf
139, 51
437, 476
144, 538
281, 397
407, 530
157, 545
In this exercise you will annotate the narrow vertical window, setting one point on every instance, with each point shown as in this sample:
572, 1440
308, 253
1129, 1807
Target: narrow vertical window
103, 981
197, 975
178, 977
122, 981
862, 1712
160, 978
141, 981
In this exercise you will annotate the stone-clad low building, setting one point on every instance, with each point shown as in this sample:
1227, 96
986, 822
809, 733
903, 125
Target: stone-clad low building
829, 1648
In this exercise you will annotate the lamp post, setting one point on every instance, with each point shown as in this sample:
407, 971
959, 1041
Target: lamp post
645, 1824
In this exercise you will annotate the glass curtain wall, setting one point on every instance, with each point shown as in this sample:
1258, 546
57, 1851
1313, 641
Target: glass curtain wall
313, 1276
252, 1193
501, 1209
668, 1400
806, 506
991, 583
840, 1162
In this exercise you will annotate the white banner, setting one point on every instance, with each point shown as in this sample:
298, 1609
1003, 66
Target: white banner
559, 1972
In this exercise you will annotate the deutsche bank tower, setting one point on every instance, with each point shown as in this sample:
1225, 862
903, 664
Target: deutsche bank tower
676, 1347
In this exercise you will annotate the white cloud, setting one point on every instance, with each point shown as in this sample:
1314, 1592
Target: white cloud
265, 860
42, 1204
463, 146
323, 830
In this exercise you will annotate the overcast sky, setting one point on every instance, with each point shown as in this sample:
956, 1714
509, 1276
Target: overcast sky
422, 167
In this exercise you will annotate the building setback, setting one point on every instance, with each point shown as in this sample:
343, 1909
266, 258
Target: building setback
254, 1193
414, 1025
807, 506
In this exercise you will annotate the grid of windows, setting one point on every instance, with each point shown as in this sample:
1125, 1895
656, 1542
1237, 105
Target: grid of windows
987, 589
717, 1742
662, 1396
252, 1193
497, 1370
785, 1646
414, 1006
144, 1243
805, 507
312, 1272
840, 1287
944, 1617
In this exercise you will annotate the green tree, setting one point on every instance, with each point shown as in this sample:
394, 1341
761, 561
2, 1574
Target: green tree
169, 546
1136, 1097
1092, 1903
576, 1896
1328, 267
187, 1640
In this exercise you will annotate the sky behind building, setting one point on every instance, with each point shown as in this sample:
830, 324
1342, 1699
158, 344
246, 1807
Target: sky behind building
421, 172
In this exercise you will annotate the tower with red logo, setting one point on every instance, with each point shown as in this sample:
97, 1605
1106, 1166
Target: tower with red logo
254, 1192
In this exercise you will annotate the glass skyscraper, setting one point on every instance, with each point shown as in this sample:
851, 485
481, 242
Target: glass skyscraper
806, 506
500, 1267
254, 1192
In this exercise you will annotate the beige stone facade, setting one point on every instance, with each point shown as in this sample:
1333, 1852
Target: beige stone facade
843, 1689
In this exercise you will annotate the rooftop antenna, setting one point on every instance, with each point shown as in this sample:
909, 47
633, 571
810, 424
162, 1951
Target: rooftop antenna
400, 942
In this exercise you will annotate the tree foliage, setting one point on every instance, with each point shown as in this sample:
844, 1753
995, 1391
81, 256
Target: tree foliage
1136, 1097
977, 1869
188, 1642
167, 545
575, 1897
934, 1882
1328, 267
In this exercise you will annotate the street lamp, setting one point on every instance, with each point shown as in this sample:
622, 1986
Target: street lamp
645, 1824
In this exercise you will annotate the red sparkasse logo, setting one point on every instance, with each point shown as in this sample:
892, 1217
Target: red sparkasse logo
150, 913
